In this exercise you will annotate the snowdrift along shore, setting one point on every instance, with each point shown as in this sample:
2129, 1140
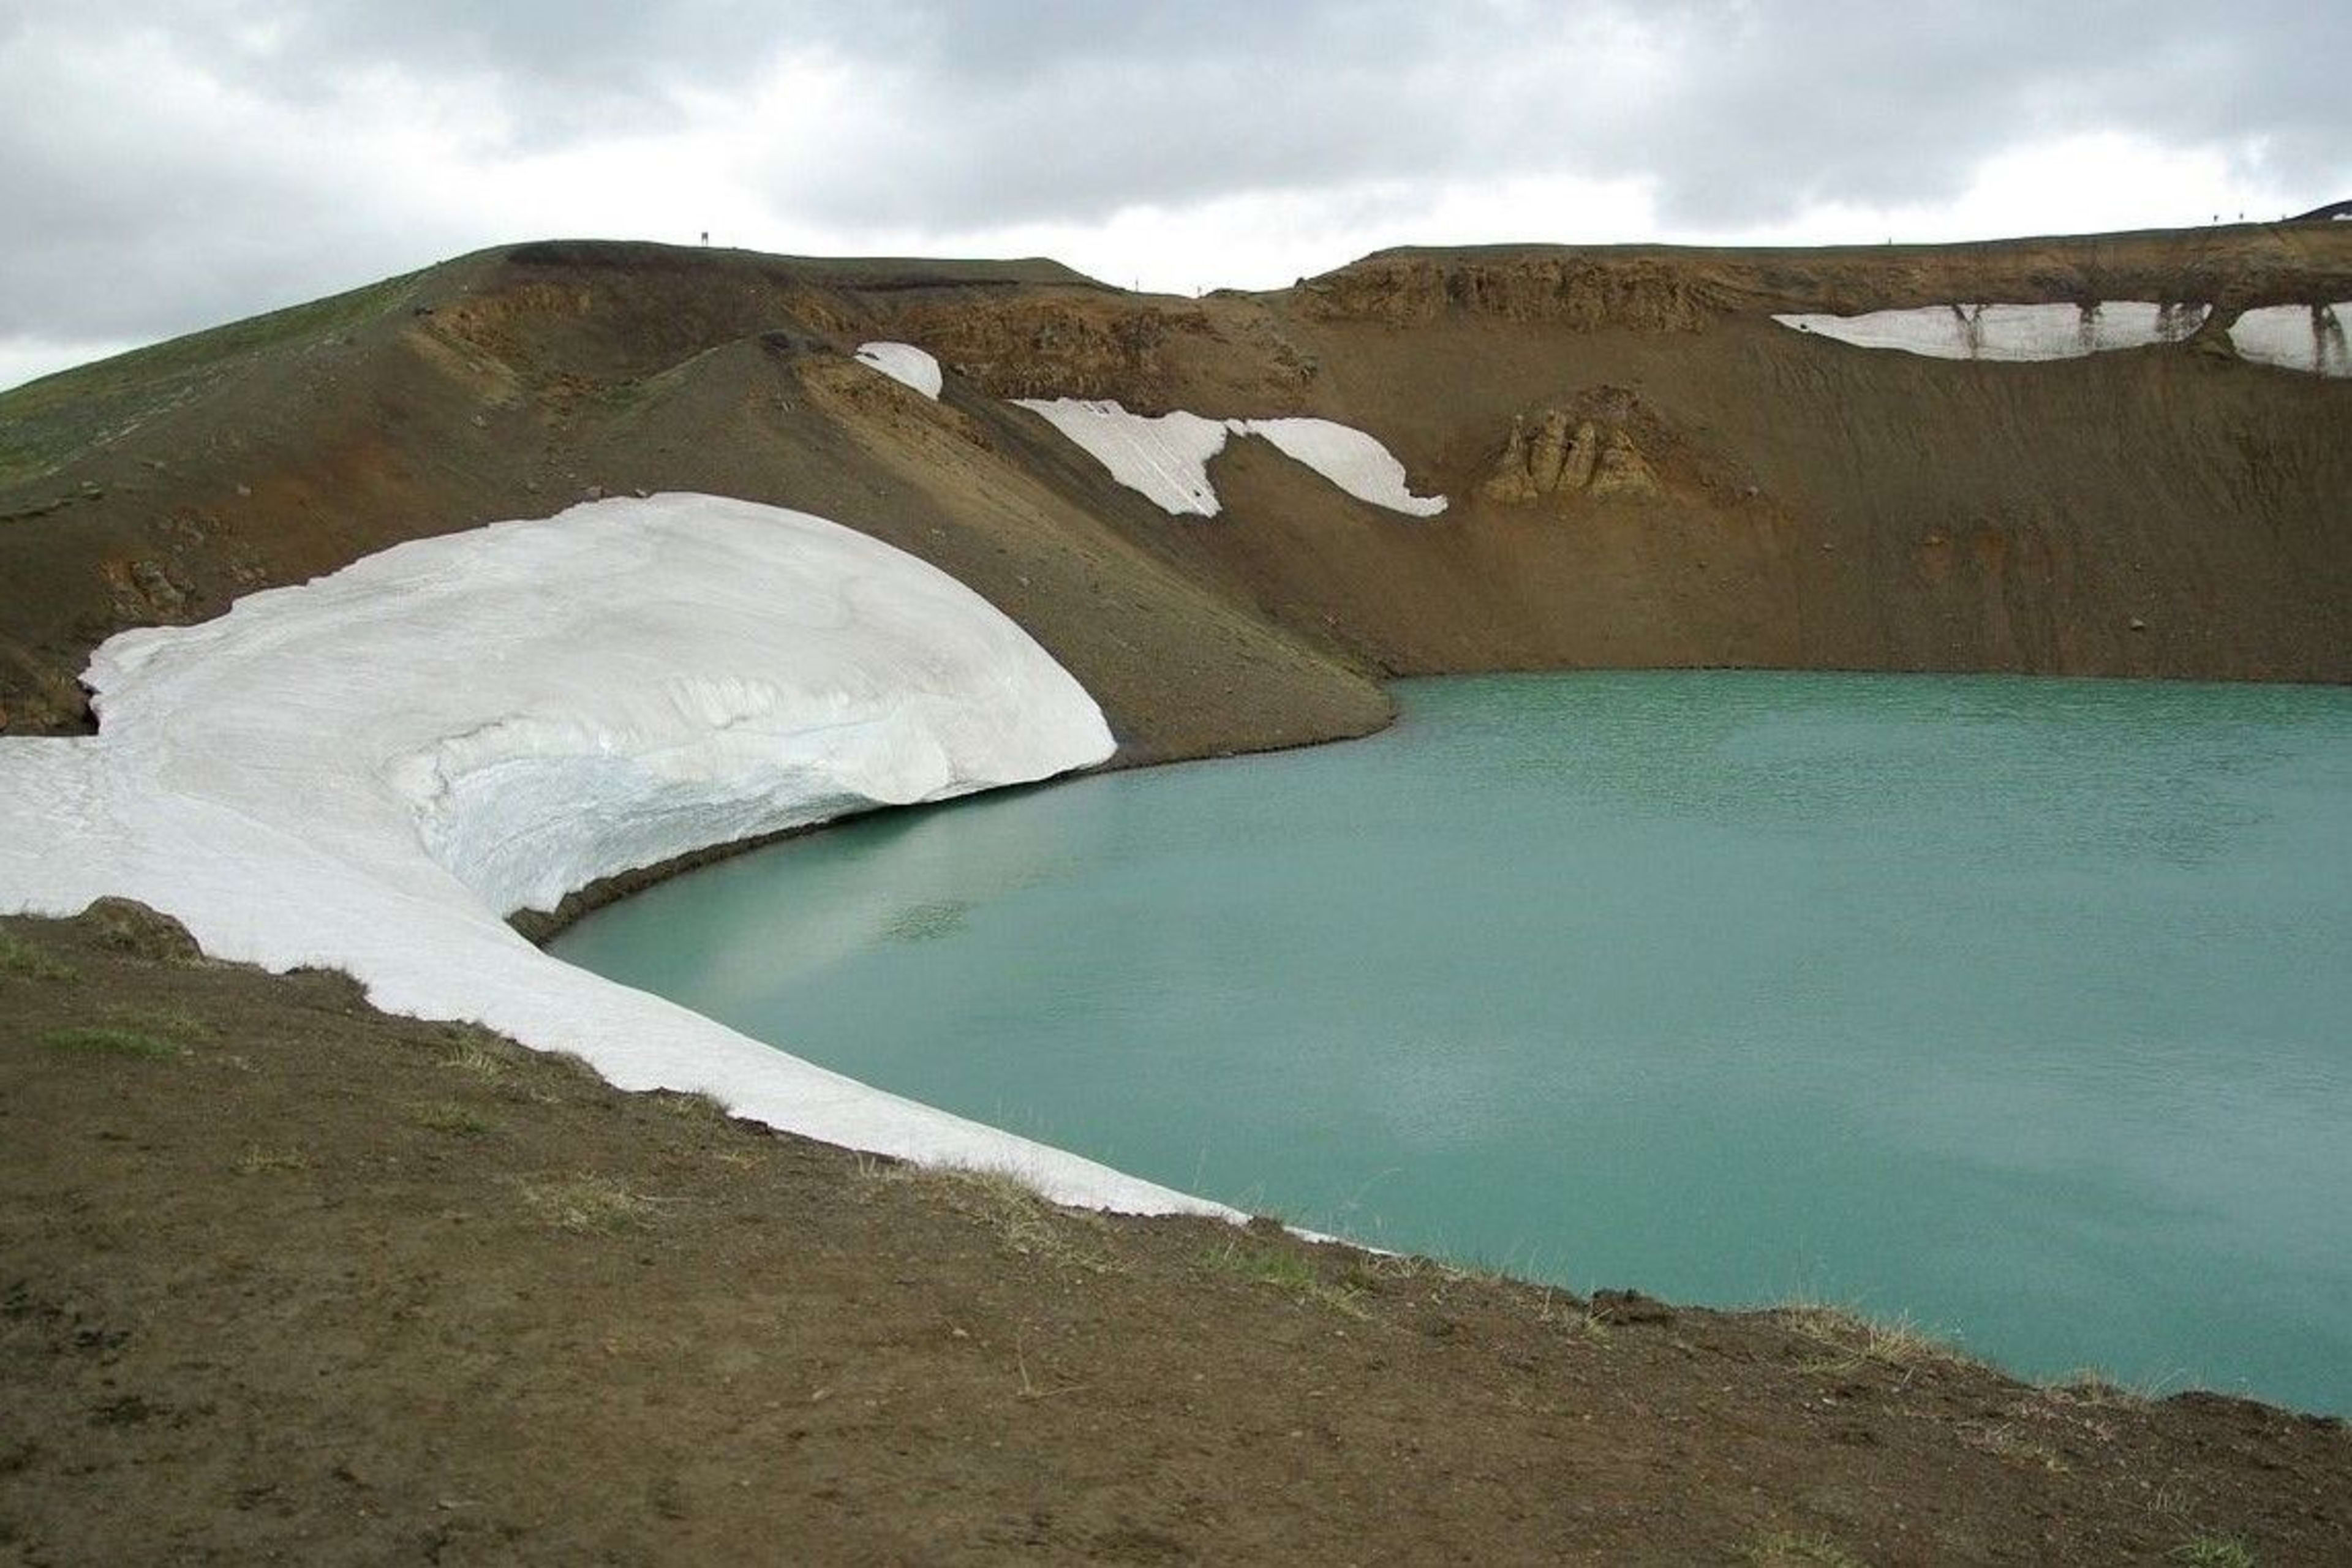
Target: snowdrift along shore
369, 771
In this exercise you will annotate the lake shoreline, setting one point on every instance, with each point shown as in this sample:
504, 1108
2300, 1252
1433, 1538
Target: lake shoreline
289, 1275
1604, 908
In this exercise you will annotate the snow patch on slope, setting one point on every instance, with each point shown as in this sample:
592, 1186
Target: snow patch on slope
2010, 332
370, 770
2297, 337
1166, 457
1348, 457
905, 363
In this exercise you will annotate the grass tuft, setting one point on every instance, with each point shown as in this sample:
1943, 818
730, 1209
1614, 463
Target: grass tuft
176, 1023
473, 1055
1788, 1549
449, 1116
1026, 1223
588, 1204
1854, 1341
2004, 1441
692, 1103
2213, 1551
259, 1161
1286, 1270
30, 962
107, 1040
2099, 1391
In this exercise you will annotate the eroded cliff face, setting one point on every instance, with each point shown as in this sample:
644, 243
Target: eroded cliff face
1644, 468
1581, 293
1674, 289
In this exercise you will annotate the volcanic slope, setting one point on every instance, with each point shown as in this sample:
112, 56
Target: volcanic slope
1644, 468
363, 1287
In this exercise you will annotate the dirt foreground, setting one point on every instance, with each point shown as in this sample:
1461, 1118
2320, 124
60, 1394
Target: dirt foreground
286, 1280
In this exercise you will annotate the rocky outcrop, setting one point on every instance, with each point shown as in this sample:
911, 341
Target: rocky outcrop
145, 590
1146, 352
1568, 454
1583, 292
1620, 470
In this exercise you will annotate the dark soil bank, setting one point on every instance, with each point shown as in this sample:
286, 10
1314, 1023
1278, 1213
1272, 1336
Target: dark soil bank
285, 1279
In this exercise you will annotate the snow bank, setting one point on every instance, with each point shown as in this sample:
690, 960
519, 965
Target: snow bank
1348, 457
904, 363
370, 770
1166, 457
2010, 331
2297, 337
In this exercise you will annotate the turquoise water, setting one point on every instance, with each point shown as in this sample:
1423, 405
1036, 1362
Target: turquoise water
2016, 1007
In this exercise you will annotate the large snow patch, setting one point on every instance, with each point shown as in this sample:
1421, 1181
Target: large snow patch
2297, 337
904, 364
2009, 331
1166, 457
369, 771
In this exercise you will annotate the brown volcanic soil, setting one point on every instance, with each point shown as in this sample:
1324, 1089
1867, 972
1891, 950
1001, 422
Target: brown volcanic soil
281, 1278
286, 1280
2166, 511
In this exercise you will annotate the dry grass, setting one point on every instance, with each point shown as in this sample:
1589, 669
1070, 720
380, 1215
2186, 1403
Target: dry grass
1854, 1341
693, 1103
2094, 1390
588, 1204
1026, 1223
537, 1087
1580, 1322
1788, 1549
2004, 1441
257, 1160
477, 1058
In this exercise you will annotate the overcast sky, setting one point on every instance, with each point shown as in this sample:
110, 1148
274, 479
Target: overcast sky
171, 165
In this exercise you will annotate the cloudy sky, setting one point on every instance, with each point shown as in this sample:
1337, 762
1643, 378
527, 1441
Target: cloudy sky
170, 165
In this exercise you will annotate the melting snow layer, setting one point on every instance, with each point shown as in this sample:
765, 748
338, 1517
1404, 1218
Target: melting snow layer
370, 770
2298, 336
1166, 457
2010, 331
904, 363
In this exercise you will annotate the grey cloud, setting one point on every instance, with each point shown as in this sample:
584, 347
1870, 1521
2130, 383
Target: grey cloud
980, 114
1078, 144
1902, 107
126, 221
1763, 110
